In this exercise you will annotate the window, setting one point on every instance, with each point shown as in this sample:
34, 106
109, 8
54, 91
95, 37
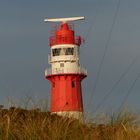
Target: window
69, 51
73, 84
56, 52
63, 51
61, 64
53, 84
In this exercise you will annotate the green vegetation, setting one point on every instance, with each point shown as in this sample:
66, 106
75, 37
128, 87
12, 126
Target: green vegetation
21, 124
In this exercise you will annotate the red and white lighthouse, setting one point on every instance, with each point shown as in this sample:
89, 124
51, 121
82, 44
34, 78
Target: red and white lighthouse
65, 73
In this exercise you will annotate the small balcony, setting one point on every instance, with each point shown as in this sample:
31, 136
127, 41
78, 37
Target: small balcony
79, 70
62, 58
65, 40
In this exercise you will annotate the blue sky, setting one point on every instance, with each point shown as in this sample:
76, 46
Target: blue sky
24, 49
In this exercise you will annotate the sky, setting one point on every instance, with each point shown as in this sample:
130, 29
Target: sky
24, 50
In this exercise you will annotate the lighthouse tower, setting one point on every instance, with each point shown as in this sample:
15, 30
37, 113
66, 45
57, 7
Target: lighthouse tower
65, 73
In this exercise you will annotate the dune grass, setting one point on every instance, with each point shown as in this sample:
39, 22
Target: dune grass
21, 124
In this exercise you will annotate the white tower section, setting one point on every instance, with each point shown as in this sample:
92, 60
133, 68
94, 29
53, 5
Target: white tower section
65, 59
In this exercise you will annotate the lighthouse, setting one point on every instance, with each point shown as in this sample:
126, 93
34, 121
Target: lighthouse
65, 73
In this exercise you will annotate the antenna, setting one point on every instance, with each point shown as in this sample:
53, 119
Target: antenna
64, 20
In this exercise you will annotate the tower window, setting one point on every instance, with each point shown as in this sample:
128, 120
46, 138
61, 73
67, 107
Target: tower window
63, 51
53, 84
69, 51
56, 52
73, 84
61, 64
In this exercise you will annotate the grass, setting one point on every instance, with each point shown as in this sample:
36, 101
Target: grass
21, 124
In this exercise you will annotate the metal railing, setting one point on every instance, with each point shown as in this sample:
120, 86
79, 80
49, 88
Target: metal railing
65, 40
62, 58
79, 70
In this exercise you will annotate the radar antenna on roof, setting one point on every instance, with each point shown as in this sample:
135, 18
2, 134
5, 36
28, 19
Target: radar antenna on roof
64, 20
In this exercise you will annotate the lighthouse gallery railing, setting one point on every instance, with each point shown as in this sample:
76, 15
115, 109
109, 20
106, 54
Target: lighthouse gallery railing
49, 71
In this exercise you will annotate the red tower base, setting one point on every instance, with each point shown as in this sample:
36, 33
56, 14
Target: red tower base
66, 95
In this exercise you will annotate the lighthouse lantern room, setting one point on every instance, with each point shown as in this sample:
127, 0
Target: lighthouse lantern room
65, 73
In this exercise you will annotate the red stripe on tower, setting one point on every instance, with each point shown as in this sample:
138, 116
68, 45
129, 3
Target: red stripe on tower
65, 73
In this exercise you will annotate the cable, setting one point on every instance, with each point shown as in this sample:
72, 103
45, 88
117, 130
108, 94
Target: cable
117, 82
129, 90
106, 46
105, 50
